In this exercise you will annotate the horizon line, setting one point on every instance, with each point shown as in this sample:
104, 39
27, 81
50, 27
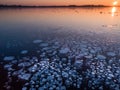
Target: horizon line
86, 5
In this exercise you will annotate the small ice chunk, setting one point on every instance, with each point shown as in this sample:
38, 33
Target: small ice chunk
37, 41
101, 71
102, 57
67, 82
65, 74
41, 88
92, 51
24, 64
25, 76
89, 56
64, 50
8, 58
111, 75
44, 80
24, 88
93, 73
101, 88
83, 46
50, 78
32, 88
24, 52
43, 44
78, 64
63, 88
7, 66
112, 54
33, 68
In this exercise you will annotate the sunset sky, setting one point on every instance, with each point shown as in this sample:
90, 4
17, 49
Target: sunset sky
58, 2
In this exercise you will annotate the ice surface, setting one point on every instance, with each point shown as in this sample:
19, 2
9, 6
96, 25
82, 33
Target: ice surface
24, 52
9, 58
102, 57
37, 41
112, 54
25, 76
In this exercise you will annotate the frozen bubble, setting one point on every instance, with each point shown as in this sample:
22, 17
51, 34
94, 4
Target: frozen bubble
24, 52
44, 80
89, 56
24, 64
93, 73
92, 51
36, 86
7, 66
32, 89
9, 58
78, 85
14, 61
64, 51
43, 44
78, 64
56, 43
25, 76
50, 78
101, 71
64, 60
111, 75
102, 57
83, 46
64, 74
67, 82
101, 88
51, 88
32, 82
24, 88
112, 54
37, 41
63, 88
41, 88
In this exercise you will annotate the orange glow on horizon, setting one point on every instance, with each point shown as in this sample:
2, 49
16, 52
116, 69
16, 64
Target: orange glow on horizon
59, 2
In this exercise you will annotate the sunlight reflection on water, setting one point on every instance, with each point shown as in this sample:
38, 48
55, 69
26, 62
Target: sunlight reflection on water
114, 9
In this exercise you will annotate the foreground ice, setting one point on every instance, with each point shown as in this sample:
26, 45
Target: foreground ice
59, 67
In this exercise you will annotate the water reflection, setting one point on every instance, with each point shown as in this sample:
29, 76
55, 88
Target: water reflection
24, 25
114, 9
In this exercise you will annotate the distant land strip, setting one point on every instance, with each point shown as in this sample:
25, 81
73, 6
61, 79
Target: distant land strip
22, 6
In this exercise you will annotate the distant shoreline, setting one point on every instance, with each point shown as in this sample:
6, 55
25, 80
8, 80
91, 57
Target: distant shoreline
22, 6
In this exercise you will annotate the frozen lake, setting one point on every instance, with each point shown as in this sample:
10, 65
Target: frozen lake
60, 48
18, 27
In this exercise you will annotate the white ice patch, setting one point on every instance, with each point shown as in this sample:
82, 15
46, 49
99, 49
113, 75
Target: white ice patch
37, 41
64, 51
24, 52
8, 58
24, 88
24, 76
101, 57
112, 54
43, 44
